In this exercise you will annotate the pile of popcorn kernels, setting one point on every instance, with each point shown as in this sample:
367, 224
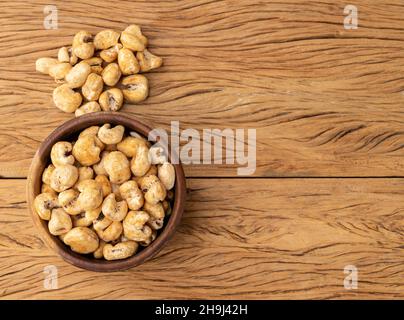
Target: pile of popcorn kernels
100, 73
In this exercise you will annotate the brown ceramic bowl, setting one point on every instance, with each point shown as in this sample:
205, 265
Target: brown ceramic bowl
67, 131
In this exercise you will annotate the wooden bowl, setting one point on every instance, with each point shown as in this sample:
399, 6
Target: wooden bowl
68, 131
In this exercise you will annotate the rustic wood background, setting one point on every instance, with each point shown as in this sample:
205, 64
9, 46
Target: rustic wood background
327, 104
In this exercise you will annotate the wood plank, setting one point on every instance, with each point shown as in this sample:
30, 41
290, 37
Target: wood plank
239, 238
325, 101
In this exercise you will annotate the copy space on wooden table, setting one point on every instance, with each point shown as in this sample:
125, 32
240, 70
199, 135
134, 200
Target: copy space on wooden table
240, 238
326, 103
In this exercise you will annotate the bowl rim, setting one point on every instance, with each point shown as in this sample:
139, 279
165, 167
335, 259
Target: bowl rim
34, 181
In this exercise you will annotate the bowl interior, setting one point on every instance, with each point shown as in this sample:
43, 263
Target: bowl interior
68, 131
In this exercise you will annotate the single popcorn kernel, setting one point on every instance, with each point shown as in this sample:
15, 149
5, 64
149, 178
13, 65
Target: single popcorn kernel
66, 99
127, 62
135, 88
111, 100
106, 39
83, 46
92, 88
111, 74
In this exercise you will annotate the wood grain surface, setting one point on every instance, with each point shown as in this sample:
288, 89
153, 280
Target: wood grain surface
327, 104
325, 101
247, 238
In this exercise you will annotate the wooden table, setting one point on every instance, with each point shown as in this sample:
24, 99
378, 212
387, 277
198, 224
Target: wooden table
328, 107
